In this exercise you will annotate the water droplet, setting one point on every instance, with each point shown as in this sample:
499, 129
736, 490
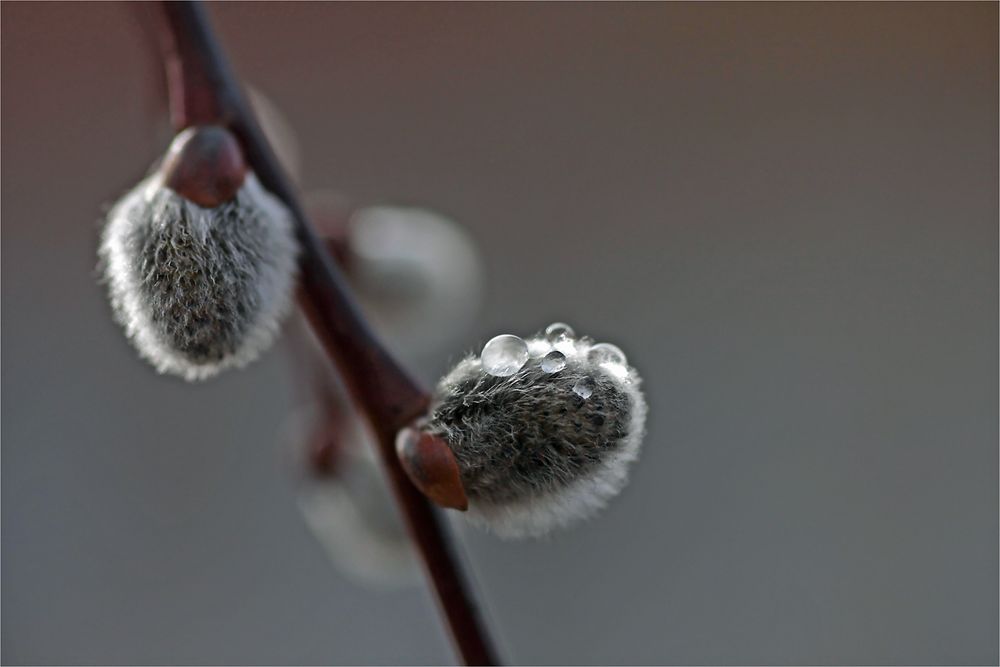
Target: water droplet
584, 387
558, 331
606, 353
504, 355
553, 362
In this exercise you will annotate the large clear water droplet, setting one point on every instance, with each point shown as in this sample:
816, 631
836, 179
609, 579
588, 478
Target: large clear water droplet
553, 362
559, 331
584, 387
504, 355
606, 353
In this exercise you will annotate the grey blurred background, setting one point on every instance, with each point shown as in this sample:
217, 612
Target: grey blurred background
786, 214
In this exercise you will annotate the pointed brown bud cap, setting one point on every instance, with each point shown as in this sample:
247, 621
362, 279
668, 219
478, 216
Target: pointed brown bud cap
205, 165
431, 466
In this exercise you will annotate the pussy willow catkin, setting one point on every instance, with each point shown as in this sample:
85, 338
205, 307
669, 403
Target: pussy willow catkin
543, 430
199, 288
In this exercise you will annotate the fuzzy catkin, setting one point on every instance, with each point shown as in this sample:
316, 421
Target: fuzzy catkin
199, 290
533, 453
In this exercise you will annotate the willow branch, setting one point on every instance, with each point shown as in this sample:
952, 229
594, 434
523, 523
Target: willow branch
203, 90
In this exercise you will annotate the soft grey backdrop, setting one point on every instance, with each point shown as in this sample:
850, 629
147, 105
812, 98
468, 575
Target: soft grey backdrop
786, 214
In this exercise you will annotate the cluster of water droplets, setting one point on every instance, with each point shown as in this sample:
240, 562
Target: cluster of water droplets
506, 354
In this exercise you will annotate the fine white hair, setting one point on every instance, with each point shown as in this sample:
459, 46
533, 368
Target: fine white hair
543, 447
579, 500
199, 290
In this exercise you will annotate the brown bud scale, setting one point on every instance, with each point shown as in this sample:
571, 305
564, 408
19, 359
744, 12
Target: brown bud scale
431, 466
205, 165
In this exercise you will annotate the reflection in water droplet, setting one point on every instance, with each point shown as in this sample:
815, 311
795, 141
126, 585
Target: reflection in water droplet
584, 387
504, 355
606, 353
558, 331
553, 362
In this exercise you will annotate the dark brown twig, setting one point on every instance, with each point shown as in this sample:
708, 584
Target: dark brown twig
203, 90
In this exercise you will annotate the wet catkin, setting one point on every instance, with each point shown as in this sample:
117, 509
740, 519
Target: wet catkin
540, 448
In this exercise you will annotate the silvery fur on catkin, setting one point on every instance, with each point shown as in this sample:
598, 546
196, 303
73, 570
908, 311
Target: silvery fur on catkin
199, 290
533, 454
